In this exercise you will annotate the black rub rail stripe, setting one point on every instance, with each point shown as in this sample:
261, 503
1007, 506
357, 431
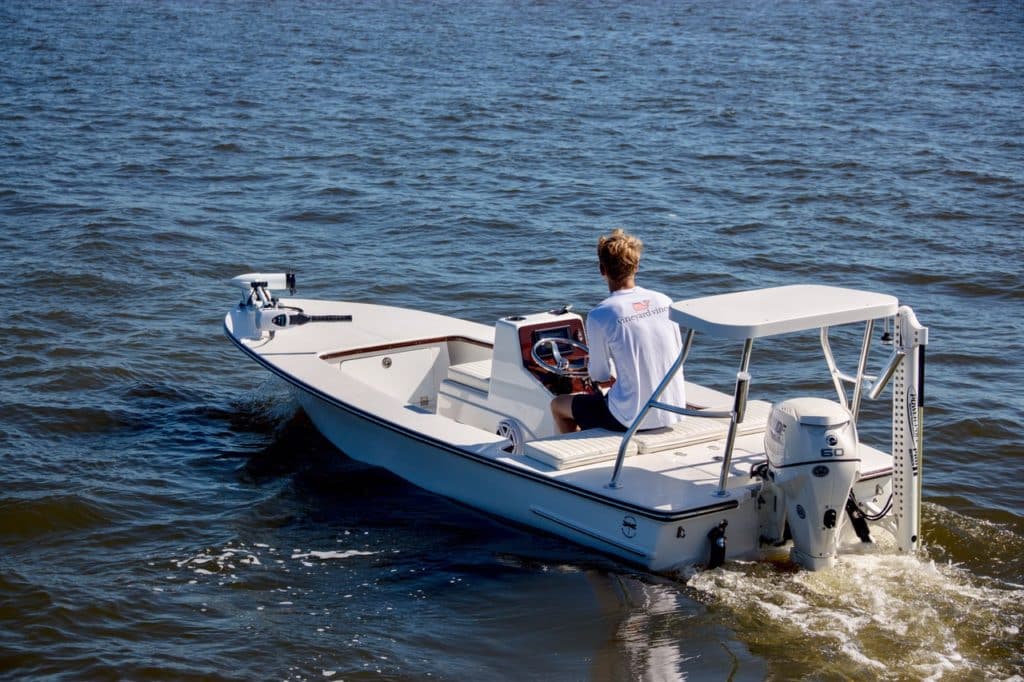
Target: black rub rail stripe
625, 506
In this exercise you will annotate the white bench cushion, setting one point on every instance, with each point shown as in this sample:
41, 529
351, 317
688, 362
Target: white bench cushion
693, 430
473, 374
577, 449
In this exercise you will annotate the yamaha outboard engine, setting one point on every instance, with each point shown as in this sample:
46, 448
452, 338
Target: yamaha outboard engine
813, 460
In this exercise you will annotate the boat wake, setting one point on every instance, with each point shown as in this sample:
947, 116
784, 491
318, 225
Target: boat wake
877, 615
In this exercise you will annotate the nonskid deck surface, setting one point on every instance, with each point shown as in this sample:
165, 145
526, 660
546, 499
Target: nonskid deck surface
681, 478
670, 480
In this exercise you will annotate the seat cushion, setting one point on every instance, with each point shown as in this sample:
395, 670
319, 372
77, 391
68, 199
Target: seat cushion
577, 449
693, 430
473, 374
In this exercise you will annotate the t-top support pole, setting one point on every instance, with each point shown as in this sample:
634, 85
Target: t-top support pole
739, 408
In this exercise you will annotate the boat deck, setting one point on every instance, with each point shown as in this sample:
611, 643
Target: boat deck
667, 471
674, 479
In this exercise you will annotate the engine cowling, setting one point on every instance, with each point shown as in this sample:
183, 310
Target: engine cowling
813, 460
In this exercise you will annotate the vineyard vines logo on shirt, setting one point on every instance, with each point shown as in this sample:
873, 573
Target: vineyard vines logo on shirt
643, 309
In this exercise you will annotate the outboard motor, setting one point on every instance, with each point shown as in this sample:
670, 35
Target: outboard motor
813, 460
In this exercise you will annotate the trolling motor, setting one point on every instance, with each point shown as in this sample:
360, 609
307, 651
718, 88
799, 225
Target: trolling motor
294, 319
267, 315
257, 286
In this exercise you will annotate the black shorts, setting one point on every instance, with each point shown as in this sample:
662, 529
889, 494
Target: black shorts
590, 411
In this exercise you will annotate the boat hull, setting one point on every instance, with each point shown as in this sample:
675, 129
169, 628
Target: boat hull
457, 408
656, 543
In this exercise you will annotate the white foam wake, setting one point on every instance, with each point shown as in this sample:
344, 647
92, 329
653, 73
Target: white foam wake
878, 614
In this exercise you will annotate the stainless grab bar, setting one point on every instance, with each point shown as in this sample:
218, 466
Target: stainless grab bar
890, 368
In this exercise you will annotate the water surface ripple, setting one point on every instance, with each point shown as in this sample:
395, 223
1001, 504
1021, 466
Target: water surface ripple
167, 513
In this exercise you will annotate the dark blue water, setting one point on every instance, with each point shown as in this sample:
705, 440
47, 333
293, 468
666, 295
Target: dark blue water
166, 512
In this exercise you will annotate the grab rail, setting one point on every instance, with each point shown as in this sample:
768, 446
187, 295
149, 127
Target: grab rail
735, 415
651, 402
886, 375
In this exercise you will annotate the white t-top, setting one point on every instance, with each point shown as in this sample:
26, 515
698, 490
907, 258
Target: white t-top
631, 338
780, 310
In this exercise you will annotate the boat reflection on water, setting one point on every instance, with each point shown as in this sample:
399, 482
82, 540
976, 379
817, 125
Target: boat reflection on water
659, 631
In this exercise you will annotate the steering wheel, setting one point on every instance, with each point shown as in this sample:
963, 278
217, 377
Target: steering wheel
557, 364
